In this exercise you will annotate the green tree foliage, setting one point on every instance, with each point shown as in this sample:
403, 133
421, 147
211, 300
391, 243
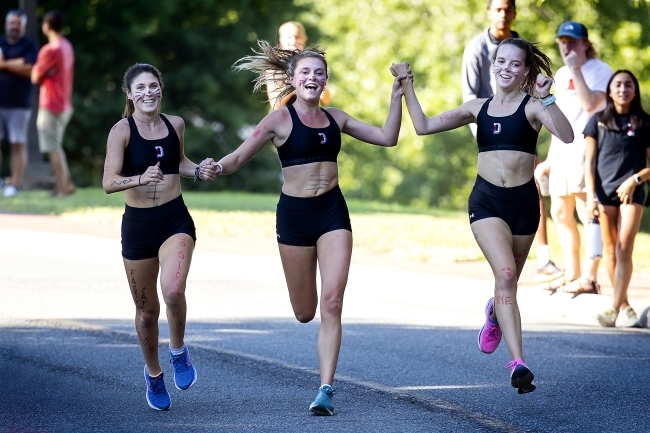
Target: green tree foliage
364, 38
193, 43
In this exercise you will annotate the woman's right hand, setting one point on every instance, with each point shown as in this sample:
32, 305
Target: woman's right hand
153, 174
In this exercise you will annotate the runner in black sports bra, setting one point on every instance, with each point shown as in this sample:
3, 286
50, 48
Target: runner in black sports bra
312, 220
503, 217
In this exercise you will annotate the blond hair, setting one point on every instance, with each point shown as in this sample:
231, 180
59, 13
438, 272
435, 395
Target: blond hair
274, 64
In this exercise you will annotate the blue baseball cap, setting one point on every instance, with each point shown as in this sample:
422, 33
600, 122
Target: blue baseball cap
573, 30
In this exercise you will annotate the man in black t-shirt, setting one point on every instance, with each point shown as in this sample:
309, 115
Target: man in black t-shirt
17, 56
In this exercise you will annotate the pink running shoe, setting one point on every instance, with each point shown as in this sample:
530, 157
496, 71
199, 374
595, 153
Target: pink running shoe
489, 336
520, 376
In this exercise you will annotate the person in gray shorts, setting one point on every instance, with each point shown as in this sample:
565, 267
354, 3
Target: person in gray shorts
17, 56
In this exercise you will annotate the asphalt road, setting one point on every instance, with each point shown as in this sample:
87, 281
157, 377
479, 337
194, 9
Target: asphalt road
409, 360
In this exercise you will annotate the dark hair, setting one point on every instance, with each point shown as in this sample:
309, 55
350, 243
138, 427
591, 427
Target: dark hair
130, 75
19, 12
638, 117
512, 3
276, 64
54, 20
536, 60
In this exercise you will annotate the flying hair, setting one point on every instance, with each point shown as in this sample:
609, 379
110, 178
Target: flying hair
536, 60
273, 64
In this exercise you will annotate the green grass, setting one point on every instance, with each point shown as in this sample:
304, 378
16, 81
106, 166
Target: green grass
405, 232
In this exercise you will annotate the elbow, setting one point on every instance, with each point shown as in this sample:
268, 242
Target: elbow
420, 131
569, 138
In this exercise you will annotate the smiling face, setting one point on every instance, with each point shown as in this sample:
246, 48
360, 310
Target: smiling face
509, 66
622, 89
309, 78
146, 93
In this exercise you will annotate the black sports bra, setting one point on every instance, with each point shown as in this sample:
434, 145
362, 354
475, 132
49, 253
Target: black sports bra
141, 154
305, 145
512, 132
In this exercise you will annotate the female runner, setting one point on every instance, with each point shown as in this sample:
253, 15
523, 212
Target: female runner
145, 159
313, 224
504, 204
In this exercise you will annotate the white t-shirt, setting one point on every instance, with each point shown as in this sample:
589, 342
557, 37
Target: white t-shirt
597, 74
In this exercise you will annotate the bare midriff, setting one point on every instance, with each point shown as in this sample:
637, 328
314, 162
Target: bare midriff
154, 194
310, 180
506, 168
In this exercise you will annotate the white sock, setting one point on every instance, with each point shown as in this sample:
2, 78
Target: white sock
177, 351
543, 254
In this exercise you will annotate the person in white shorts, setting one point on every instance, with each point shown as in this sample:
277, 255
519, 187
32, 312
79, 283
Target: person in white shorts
17, 56
580, 89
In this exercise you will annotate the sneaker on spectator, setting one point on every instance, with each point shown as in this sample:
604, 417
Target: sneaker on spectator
548, 272
322, 405
607, 318
10, 191
520, 376
157, 395
629, 318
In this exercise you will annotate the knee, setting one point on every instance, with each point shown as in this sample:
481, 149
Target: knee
304, 316
173, 293
332, 305
506, 284
559, 214
147, 317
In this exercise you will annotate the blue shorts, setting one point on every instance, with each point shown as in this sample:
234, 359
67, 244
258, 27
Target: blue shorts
301, 221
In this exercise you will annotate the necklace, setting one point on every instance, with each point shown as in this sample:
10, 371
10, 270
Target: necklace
144, 121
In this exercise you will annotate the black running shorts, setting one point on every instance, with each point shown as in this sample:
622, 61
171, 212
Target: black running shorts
144, 230
517, 206
301, 221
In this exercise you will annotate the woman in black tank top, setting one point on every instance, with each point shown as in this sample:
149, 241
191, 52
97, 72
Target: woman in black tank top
145, 159
313, 224
504, 205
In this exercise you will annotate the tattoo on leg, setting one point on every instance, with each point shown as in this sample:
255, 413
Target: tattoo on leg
503, 300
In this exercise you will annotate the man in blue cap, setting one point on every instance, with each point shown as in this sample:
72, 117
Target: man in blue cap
580, 91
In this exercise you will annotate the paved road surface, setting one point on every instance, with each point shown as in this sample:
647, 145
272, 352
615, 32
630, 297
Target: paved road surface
409, 361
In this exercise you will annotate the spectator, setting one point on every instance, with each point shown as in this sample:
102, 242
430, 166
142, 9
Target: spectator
478, 82
17, 56
54, 70
580, 89
291, 35
618, 146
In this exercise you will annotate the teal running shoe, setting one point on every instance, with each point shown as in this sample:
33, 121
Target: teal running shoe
157, 395
323, 403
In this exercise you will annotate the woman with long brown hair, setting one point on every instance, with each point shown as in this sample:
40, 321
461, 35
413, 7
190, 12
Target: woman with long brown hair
504, 204
145, 159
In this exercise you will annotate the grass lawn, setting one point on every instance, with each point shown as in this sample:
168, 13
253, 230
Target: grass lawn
429, 235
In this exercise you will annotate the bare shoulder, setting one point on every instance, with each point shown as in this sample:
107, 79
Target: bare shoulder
121, 129
474, 106
177, 121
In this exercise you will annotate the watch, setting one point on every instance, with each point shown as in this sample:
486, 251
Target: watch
637, 178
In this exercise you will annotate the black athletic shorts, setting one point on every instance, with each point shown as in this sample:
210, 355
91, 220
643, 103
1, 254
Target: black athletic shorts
613, 200
301, 221
517, 206
144, 230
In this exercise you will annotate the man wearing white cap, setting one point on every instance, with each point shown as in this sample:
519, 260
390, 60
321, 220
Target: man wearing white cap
580, 91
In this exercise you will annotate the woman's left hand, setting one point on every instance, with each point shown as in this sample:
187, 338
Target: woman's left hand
625, 192
543, 85
208, 169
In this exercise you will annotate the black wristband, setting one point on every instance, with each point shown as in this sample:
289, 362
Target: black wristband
197, 174
140, 177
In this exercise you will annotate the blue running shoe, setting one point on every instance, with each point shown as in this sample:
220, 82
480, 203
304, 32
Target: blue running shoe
184, 372
323, 403
157, 395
